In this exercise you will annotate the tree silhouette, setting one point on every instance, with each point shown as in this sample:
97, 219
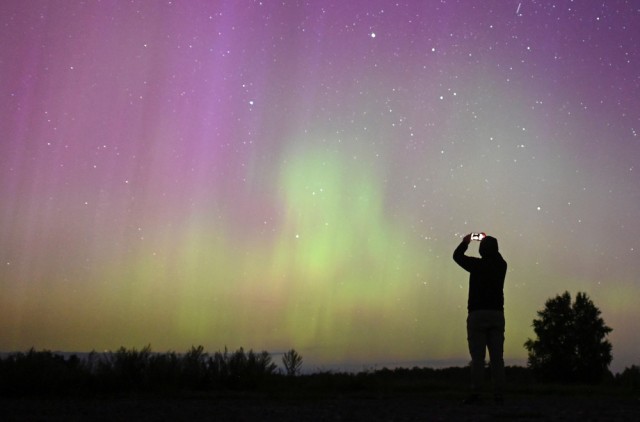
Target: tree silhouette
292, 362
571, 344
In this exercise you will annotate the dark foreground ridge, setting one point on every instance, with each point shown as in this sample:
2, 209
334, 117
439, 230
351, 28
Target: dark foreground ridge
328, 407
248, 386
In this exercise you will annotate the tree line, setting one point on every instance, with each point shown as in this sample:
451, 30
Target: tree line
45, 372
570, 347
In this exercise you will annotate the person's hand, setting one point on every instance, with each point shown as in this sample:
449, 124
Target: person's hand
467, 238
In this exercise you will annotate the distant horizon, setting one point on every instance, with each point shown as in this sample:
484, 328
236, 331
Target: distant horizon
306, 366
314, 367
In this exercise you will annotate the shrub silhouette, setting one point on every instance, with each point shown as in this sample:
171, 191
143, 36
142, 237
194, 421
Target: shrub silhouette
129, 370
131, 367
240, 369
292, 362
40, 373
165, 372
629, 378
193, 369
571, 345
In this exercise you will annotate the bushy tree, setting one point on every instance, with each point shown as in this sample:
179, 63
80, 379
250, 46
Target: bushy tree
629, 378
571, 344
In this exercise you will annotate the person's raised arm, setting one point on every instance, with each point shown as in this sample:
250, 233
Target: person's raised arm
460, 258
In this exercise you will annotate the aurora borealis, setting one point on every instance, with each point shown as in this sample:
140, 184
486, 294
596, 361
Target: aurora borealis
296, 174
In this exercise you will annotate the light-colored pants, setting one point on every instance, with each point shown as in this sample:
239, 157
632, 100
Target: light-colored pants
485, 330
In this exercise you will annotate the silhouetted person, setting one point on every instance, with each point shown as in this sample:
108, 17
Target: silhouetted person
485, 321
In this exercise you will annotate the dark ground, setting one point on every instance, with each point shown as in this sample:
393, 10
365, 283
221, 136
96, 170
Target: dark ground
347, 407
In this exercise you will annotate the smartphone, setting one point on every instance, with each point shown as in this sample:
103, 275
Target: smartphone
478, 236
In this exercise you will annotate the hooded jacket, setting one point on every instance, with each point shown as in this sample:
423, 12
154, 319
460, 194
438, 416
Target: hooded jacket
486, 275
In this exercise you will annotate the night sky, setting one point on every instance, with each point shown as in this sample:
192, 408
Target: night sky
296, 174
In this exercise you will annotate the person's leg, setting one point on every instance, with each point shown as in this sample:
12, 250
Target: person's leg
495, 345
477, 341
